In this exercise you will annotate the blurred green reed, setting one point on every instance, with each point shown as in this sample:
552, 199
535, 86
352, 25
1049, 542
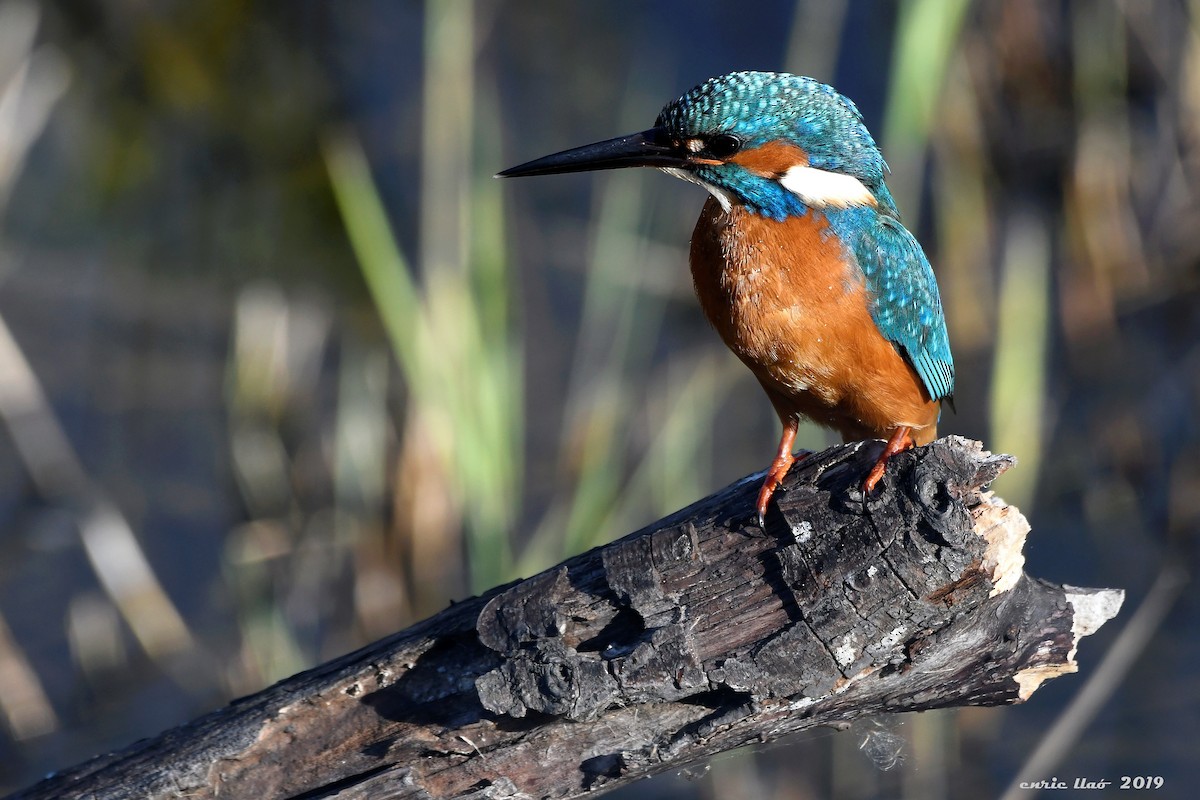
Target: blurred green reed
926, 37
1018, 403
462, 384
450, 322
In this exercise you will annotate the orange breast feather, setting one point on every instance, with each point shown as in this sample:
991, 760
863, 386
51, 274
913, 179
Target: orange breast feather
783, 299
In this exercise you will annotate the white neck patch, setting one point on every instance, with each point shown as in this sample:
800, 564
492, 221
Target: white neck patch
819, 188
723, 197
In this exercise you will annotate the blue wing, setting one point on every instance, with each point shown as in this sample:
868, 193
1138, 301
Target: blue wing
906, 306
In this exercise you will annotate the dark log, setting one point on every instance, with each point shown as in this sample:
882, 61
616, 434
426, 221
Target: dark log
698, 634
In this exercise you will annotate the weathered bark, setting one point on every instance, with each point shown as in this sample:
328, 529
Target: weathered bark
695, 635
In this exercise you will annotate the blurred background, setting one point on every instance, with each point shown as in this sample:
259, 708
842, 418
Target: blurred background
284, 370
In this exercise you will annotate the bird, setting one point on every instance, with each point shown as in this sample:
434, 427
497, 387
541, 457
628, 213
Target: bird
799, 258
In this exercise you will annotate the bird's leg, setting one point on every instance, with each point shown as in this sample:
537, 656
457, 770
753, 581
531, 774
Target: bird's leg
901, 440
779, 467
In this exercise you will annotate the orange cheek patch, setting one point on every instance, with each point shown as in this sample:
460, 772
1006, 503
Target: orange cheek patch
772, 159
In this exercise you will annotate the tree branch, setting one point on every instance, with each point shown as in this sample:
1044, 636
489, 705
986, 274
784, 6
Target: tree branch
698, 634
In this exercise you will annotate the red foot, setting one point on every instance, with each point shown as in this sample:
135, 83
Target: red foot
778, 470
901, 440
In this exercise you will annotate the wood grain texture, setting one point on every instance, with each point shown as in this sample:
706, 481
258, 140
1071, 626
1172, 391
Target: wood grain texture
696, 635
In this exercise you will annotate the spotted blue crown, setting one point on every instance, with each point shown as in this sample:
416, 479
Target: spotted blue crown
761, 107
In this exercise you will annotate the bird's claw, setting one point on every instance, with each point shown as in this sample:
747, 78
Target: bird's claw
874, 476
900, 441
775, 475
764, 497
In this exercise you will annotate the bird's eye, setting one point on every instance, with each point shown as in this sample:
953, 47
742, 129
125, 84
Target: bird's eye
724, 145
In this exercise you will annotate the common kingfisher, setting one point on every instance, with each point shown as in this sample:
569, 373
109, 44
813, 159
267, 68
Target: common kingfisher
799, 258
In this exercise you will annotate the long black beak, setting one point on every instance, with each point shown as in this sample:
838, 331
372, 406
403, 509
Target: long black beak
650, 148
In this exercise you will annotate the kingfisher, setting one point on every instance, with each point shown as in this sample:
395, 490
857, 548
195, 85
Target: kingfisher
799, 258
